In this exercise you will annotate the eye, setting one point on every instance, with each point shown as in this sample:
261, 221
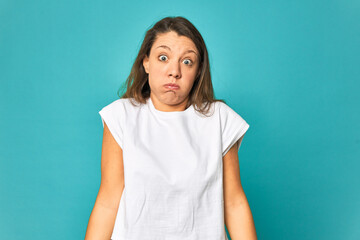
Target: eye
162, 57
190, 62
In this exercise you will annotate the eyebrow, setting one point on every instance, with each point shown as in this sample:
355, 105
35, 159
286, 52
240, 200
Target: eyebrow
188, 51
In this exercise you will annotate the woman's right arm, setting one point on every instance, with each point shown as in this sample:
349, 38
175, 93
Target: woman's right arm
102, 218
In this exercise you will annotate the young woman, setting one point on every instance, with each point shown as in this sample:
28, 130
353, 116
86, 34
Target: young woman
169, 165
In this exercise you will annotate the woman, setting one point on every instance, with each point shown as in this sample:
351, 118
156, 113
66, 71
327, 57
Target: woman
169, 169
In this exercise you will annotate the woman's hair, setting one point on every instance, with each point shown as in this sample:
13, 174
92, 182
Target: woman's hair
137, 86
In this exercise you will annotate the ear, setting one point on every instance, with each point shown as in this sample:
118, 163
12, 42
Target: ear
146, 64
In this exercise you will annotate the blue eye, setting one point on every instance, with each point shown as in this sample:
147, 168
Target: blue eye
188, 60
162, 56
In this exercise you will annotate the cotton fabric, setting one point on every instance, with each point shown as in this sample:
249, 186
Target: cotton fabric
173, 169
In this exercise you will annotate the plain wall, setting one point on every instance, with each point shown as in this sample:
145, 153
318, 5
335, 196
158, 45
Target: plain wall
289, 68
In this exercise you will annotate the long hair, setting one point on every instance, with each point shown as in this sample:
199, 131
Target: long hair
137, 85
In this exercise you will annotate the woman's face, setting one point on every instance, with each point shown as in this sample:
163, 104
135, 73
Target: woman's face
173, 59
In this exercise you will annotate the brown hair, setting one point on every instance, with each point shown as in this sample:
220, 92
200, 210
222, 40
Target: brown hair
201, 95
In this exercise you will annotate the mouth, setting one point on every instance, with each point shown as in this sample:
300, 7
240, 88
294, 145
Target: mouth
172, 86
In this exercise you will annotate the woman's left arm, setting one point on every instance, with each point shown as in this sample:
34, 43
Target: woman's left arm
238, 217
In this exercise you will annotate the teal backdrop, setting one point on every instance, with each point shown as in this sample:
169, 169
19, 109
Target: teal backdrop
289, 68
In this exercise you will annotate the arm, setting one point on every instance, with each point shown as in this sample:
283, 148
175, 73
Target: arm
238, 217
103, 215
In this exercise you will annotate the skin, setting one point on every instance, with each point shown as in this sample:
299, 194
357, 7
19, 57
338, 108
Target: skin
171, 64
102, 218
238, 218
166, 65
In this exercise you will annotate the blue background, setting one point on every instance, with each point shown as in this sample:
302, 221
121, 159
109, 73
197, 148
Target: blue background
289, 68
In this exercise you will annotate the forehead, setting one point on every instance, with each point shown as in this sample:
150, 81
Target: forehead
173, 42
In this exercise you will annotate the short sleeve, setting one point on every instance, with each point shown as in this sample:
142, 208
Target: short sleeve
112, 115
233, 127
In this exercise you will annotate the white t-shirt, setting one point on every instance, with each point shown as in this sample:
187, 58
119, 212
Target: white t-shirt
173, 169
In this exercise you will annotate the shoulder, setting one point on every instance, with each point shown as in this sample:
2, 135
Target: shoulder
120, 103
225, 109
115, 103
228, 114
216, 108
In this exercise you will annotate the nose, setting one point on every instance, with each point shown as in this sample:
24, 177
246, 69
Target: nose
174, 69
